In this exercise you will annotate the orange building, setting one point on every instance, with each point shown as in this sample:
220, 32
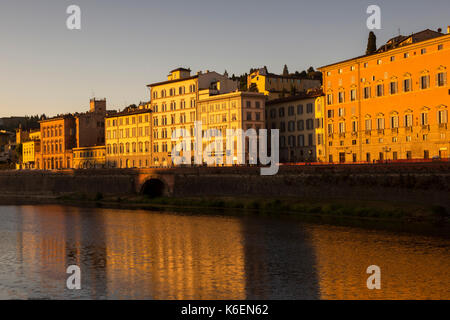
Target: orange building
391, 105
58, 138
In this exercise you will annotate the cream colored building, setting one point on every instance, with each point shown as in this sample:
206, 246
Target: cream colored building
89, 157
128, 138
231, 111
296, 119
274, 85
31, 151
175, 106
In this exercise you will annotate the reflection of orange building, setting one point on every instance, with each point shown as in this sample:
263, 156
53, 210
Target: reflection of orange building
391, 105
188, 257
410, 269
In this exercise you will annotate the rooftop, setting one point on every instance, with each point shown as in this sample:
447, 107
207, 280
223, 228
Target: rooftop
398, 42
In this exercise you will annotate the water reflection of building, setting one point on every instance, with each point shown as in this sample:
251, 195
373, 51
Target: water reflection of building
279, 260
175, 257
54, 238
410, 267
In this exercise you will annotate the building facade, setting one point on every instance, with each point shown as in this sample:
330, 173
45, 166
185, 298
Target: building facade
230, 111
274, 86
58, 138
295, 117
175, 106
128, 138
91, 125
31, 150
89, 157
392, 105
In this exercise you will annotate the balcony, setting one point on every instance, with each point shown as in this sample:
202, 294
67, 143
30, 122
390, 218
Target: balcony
443, 126
394, 130
368, 132
426, 127
380, 131
342, 135
409, 129
354, 134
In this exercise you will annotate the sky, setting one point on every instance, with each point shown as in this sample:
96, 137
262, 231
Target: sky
124, 45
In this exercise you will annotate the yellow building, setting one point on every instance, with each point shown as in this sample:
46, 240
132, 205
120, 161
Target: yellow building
89, 157
128, 138
392, 105
175, 106
320, 129
274, 86
31, 151
230, 111
295, 117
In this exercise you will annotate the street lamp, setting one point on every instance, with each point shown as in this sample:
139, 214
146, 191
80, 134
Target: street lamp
386, 150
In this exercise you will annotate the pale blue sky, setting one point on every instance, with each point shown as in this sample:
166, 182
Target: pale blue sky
125, 45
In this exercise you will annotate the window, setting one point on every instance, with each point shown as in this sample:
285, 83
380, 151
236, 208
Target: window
341, 97
366, 92
301, 140
380, 123
330, 113
353, 94
281, 112
393, 87
423, 51
425, 82
330, 99
368, 124
341, 112
392, 58
394, 122
291, 126
408, 120
407, 85
300, 109
379, 62
380, 90
441, 79
354, 126
440, 47
406, 55
424, 119
442, 117
330, 128
300, 125
291, 110
341, 127
309, 108
309, 124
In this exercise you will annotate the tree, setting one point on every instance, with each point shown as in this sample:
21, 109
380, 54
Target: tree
285, 71
311, 70
371, 43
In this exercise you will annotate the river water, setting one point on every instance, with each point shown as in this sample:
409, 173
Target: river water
137, 254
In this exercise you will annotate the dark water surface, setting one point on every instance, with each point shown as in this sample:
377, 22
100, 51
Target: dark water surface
159, 255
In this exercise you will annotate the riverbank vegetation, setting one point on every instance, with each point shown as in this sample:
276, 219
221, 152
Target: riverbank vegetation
287, 205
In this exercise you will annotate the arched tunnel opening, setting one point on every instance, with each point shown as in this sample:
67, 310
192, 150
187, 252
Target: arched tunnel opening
153, 188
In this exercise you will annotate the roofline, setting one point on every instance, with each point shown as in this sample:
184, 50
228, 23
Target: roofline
130, 113
232, 94
171, 81
435, 39
294, 98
